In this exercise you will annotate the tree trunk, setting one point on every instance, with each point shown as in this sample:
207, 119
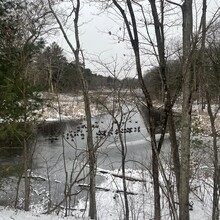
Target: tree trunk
90, 145
155, 170
123, 158
216, 174
91, 153
27, 173
212, 117
174, 150
80, 67
186, 111
50, 77
133, 36
159, 31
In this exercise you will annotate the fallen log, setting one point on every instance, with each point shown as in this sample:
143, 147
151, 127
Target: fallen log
86, 186
120, 176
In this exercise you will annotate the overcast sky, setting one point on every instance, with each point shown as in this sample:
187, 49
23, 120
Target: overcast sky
94, 36
96, 40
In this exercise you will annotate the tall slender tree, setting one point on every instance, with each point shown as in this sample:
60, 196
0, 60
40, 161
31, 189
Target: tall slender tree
186, 110
133, 33
79, 61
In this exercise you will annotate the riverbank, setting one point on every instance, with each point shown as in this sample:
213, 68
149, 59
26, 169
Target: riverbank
66, 107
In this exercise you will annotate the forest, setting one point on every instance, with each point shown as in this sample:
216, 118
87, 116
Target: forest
171, 80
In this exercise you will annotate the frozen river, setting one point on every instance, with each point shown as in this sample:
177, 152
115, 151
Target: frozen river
61, 149
60, 156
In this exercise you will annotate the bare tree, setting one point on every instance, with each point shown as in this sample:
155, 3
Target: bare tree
134, 40
117, 113
133, 34
160, 37
77, 51
186, 111
216, 174
212, 117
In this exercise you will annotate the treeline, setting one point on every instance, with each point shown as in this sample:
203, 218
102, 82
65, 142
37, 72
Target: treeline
208, 79
54, 73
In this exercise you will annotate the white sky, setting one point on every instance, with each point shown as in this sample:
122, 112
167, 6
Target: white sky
96, 41
94, 37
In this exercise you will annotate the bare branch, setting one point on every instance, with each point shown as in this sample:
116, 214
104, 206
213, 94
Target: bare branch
61, 27
174, 3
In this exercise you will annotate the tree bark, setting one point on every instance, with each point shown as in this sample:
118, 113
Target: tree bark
123, 158
174, 150
27, 173
216, 174
90, 145
186, 111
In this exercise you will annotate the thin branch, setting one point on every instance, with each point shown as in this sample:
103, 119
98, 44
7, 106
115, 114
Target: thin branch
125, 20
174, 3
61, 27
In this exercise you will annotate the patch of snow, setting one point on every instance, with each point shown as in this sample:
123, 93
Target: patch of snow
110, 202
11, 214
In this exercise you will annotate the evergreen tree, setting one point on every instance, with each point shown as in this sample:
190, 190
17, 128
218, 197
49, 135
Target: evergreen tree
52, 66
18, 98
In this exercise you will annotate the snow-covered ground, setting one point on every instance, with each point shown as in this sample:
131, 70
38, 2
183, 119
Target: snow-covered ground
63, 107
110, 205
11, 214
140, 193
